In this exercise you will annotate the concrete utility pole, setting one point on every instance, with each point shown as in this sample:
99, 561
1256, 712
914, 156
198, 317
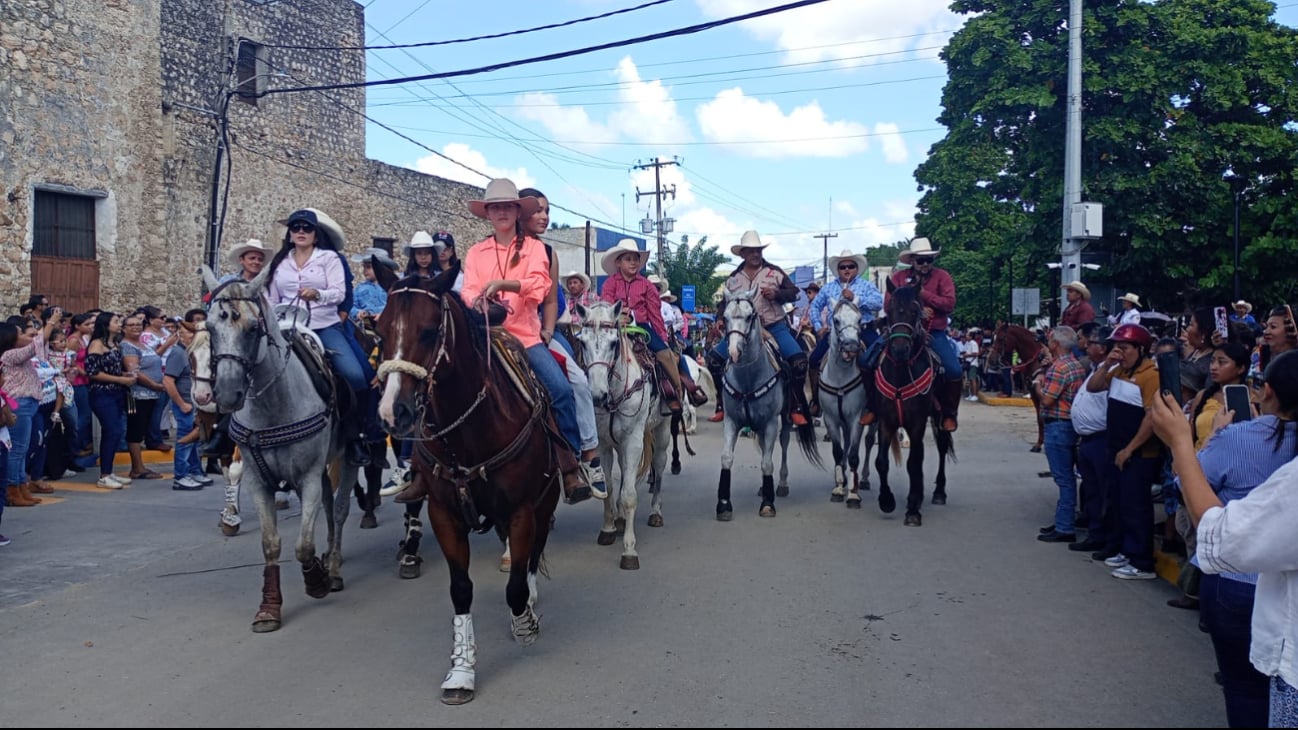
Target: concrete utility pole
1071, 249
824, 238
658, 192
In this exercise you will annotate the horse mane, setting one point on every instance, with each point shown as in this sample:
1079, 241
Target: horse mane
202, 338
906, 295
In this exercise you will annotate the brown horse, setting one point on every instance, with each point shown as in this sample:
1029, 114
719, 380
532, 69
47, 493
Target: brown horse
485, 454
1011, 338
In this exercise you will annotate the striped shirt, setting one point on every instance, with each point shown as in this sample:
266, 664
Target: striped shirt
1063, 379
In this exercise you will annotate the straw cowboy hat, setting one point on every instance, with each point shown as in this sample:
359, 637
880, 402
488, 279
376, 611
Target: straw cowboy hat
848, 256
376, 253
503, 190
322, 222
1080, 288
918, 247
1129, 297
577, 275
1248, 308
659, 283
421, 239
626, 245
668, 297
252, 245
813, 285
750, 239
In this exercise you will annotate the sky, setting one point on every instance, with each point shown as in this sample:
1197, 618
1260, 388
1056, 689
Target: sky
795, 124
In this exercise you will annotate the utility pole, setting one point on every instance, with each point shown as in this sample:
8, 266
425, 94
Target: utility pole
1071, 250
663, 227
824, 238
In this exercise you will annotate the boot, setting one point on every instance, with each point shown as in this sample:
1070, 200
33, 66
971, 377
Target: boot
575, 487
949, 397
358, 451
667, 359
220, 445
25, 489
798, 392
416, 489
696, 395
813, 375
14, 498
871, 397
718, 370
37, 487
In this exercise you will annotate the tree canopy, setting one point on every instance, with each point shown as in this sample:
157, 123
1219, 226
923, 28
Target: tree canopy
694, 265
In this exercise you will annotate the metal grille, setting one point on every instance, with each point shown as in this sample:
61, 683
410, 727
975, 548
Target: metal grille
247, 73
65, 226
384, 243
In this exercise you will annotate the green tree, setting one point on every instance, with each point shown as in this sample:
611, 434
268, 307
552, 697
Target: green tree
694, 265
886, 254
1175, 92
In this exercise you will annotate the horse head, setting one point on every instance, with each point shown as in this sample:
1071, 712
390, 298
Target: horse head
600, 335
742, 322
200, 366
237, 327
847, 330
415, 331
905, 330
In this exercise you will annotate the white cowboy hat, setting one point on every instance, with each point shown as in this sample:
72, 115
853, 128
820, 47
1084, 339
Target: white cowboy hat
1129, 297
503, 190
577, 275
252, 245
668, 297
1241, 303
659, 283
376, 253
421, 239
750, 239
848, 255
321, 221
1080, 288
918, 247
626, 245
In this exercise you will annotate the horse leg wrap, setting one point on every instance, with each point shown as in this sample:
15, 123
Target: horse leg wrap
526, 627
316, 578
414, 533
271, 598
464, 655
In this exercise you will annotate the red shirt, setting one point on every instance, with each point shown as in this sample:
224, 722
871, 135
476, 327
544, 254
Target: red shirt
1077, 314
640, 297
937, 292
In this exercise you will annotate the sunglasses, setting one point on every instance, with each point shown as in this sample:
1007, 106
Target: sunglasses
847, 267
301, 227
919, 260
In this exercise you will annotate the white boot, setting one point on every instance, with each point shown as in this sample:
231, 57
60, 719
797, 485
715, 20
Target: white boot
458, 688
526, 626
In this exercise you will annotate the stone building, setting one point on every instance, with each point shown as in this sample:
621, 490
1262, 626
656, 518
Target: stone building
108, 143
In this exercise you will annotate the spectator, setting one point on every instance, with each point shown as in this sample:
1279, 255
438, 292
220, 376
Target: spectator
160, 338
1090, 421
1279, 335
1079, 310
1130, 309
969, 352
178, 383
1243, 313
108, 388
1057, 387
19, 345
141, 401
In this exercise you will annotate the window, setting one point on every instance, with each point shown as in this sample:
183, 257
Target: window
65, 226
250, 71
384, 243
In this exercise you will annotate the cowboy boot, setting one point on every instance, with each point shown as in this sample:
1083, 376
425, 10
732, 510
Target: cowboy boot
951, 392
813, 376
696, 395
871, 397
575, 487
798, 391
667, 359
14, 498
220, 445
718, 369
416, 489
25, 489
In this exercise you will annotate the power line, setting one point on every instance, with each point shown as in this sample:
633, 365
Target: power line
660, 143
561, 54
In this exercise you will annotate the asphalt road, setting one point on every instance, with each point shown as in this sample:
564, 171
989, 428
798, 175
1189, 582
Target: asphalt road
129, 609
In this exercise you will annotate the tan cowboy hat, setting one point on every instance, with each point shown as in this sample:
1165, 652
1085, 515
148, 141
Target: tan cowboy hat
252, 245
668, 297
1080, 288
577, 275
918, 247
1129, 297
1248, 308
750, 239
848, 255
659, 283
375, 253
503, 190
421, 239
321, 221
626, 245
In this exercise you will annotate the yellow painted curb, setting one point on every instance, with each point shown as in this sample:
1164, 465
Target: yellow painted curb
998, 401
150, 457
1167, 566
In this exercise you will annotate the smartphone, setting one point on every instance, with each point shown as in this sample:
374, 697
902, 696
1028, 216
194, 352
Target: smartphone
1169, 374
1223, 325
1237, 400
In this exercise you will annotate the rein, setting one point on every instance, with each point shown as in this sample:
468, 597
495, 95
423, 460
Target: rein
918, 386
624, 354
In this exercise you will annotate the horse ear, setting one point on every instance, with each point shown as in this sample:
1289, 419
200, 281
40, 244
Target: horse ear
890, 286
443, 282
383, 274
258, 285
580, 310
209, 279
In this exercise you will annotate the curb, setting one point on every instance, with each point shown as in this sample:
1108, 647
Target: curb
998, 401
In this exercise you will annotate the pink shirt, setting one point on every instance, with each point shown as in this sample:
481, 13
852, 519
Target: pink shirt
640, 297
489, 260
322, 272
937, 293
21, 380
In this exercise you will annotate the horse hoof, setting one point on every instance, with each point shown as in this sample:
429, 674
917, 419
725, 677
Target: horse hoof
229, 530
854, 503
606, 538
619, 524
457, 696
335, 584
1035, 449
369, 521
939, 499
676, 468
782, 490
887, 502
913, 521
725, 512
265, 622
506, 564
630, 562
408, 571
655, 520
767, 510
836, 496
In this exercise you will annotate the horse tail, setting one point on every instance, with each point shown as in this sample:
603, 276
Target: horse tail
807, 442
646, 455
945, 441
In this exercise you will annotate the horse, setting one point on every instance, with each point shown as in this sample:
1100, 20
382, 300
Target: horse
1012, 338
367, 496
485, 450
842, 396
904, 379
206, 417
286, 426
755, 398
703, 378
632, 427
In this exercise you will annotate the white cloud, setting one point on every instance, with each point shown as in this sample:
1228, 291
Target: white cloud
435, 165
734, 118
894, 147
569, 122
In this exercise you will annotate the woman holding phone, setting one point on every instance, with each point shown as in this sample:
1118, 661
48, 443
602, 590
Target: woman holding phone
1229, 366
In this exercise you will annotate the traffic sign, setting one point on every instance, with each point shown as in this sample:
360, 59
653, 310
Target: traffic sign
687, 298
1025, 301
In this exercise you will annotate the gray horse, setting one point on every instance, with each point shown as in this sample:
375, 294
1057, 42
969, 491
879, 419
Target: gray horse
754, 398
288, 434
842, 399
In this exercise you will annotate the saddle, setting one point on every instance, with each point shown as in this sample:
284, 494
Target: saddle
330, 387
509, 351
645, 359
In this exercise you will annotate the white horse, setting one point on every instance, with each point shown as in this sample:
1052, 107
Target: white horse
200, 366
703, 378
842, 400
632, 427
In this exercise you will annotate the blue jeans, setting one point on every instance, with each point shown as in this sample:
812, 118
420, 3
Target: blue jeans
110, 408
1098, 473
563, 342
84, 425
342, 350
20, 435
868, 338
153, 434
1227, 610
789, 347
186, 455
945, 350
561, 400
1060, 441
38, 447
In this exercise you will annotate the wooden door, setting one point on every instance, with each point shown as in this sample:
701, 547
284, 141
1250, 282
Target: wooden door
72, 284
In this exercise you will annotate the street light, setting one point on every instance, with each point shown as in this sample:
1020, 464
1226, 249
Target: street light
1237, 184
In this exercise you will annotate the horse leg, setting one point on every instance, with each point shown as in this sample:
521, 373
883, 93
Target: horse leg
887, 502
373, 483
408, 560
337, 504
544, 522
525, 624
915, 470
871, 435
628, 497
656, 476
676, 451
840, 476
613, 468
766, 439
783, 489
854, 461
725, 510
314, 575
453, 538
230, 519
945, 442
269, 614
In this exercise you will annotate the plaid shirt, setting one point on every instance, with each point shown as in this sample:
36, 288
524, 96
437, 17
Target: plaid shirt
1063, 379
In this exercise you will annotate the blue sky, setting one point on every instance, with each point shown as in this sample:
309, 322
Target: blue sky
772, 119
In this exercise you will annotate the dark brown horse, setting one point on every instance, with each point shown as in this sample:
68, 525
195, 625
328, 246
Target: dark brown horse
1011, 338
485, 455
905, 380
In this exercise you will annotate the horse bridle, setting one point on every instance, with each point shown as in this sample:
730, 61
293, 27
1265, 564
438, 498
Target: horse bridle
839, 334
612, 404
260, 329
744, 333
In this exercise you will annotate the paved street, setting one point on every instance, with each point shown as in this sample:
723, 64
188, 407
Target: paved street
130, 609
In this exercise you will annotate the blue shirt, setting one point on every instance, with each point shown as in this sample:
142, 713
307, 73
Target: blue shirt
370, 297
868, 299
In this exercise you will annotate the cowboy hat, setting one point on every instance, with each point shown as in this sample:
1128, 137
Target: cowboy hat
577, 275
848, 255
813, 285
1129, 297
375, 253
252, 245
322, 222
750, 239
918, 247
1241, 303
668, 297
659, 283
503, 190
1080, 288
421, 239
625, 246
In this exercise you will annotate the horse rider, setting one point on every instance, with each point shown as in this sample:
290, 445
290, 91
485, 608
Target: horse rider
937, 295
1079, 310
774, 289
250, 257
370, 298
850, 286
